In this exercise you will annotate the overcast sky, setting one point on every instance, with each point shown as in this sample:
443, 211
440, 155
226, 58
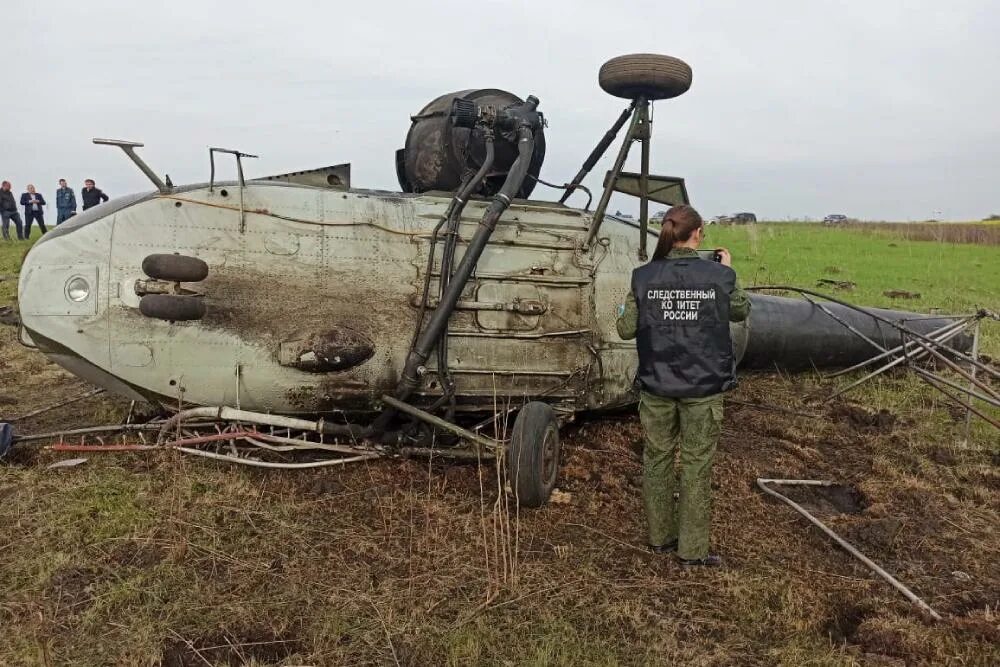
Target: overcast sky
880, 110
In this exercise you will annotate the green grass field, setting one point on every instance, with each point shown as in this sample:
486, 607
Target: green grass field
953, 277
11, 254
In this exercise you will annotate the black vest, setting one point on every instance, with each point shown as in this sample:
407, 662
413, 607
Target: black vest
685, 350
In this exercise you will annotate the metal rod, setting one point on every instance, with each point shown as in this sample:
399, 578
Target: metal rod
243, 213
958, 369
279, 466
290, 444
457, 454
954, 385
211, 437
959, 401
602, 205
895, 362
229, 414
762, 484
88, 430
895, 350
845, 324
645, 132
129, 149
972, 370
406, 408
34, 413
62, 447
239, 173
597, 153
211, 170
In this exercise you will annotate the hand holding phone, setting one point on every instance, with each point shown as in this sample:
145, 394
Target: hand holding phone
722, 256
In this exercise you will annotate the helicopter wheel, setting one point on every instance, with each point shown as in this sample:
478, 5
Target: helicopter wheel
533, 457
172, 307
176, 268
649, 75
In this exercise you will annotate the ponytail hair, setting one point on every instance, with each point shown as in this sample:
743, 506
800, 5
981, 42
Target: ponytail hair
679, 223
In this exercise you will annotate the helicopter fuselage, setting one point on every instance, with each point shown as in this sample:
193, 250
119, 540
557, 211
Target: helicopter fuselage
313, 295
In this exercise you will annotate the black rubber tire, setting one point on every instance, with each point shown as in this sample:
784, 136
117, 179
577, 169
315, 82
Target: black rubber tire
177, 268
648, 75
172, 307
533, 456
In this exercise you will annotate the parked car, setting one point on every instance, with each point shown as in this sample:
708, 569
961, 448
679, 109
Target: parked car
834, 219
744, 218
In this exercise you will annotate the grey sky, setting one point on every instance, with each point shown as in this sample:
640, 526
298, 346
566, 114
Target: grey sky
884, 110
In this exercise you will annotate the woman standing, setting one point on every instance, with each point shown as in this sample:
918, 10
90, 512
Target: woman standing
33, 202
679, 311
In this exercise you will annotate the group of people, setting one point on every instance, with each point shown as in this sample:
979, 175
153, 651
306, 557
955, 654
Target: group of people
34, 206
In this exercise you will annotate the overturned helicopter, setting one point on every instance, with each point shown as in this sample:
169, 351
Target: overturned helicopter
399, 316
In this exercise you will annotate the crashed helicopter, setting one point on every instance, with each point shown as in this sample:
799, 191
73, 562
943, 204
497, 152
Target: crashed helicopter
400, 316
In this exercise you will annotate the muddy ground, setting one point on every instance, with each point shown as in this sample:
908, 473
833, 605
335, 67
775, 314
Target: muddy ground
153, 558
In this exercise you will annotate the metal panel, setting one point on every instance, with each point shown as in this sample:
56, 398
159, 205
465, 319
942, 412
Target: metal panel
45, 290
669, 190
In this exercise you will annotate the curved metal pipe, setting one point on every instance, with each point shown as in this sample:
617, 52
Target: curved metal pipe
421, 351
448, 262
232, 414
454, 211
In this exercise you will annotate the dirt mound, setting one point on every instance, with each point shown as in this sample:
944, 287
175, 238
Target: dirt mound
836, 499
858, 418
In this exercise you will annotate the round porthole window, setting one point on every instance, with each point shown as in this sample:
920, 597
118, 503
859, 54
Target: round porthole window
77, 289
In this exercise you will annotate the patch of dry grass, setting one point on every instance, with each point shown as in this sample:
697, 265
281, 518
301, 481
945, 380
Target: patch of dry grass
143, 558
938, 232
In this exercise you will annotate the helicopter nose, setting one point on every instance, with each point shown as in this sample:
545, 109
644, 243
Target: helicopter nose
63, 292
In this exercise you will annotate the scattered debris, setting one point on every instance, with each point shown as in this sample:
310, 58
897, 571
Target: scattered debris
847, 285
763, 485
65, 463
901, 294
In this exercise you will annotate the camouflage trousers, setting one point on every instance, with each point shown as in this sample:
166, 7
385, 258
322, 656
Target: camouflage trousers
690, 426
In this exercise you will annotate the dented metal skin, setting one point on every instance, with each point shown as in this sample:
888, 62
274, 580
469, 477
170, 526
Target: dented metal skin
311, 308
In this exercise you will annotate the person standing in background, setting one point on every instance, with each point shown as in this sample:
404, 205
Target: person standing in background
65, 202
8, 212
33, 204
92, 195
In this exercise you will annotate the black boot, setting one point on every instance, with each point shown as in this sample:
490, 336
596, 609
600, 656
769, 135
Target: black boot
711, 560
667, 548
